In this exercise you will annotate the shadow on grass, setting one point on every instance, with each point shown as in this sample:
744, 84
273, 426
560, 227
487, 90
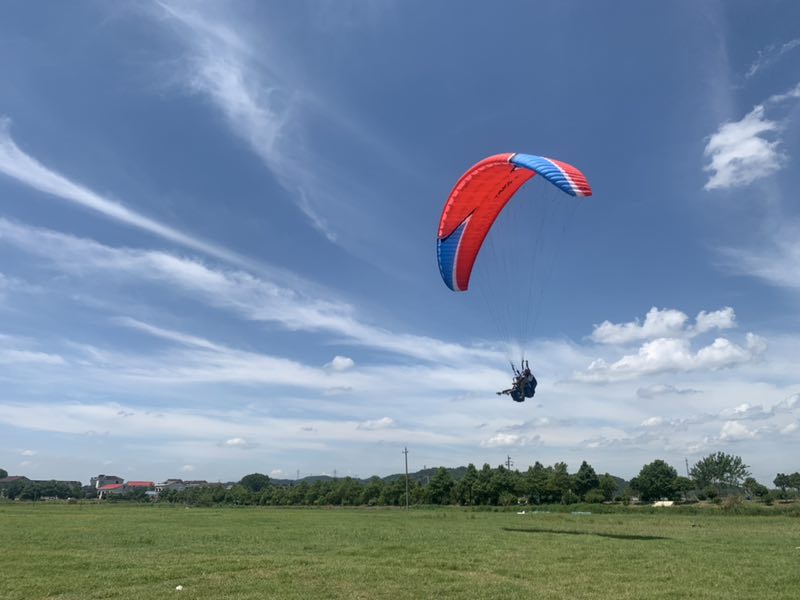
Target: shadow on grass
616, 536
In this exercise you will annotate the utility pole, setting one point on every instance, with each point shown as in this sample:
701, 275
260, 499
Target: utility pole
509, 462
687, 468
405, 451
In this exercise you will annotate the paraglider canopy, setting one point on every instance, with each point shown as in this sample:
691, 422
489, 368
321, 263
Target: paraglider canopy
478, 198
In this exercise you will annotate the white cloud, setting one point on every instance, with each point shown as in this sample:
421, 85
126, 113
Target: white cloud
725, 318
657, 323
382, 423
776, 261
340, 363
10, 356
276, 473
663, 323
652, 391
258, 107
27, 170
501, 440
790, 428
770, 55
734, 431
239, 443
252, 297
28, 453
188, 469
741, 152
674, 354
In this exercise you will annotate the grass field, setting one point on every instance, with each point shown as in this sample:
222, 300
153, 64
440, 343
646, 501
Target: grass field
125, 551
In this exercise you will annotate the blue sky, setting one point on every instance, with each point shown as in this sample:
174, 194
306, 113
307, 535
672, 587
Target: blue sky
217, 236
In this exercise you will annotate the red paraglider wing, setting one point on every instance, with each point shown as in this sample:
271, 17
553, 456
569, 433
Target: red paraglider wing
476, 199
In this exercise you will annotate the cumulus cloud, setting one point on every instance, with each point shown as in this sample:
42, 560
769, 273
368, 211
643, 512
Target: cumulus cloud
724, 318
382, 423
340, 363
672, 355
188, 469
276, 473
238, 443
661, 323
657, 323
28, 453
741, 152
735, 431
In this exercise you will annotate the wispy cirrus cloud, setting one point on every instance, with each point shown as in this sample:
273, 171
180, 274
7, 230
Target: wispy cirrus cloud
744, 151
258, 106
251, 297
776, 261
653, 391
507, 440
770, 55
25, 169
382, 423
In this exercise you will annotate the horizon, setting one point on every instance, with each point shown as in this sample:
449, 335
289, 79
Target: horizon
218, 224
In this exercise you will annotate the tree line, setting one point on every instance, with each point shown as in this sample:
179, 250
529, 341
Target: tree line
712, 477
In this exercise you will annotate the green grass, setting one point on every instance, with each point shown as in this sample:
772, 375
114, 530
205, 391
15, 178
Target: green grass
123, 551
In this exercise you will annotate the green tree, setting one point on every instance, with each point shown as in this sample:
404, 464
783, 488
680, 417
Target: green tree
3, 473
558, 483
465, 487
755, 489
484, 492
794, 482
655, 480
440, 487
255, 482
585, 479
782, 481
608, 486
373, 491
683, 485
719, 469
535, 483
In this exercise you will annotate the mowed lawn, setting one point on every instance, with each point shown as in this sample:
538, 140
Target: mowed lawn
124, 551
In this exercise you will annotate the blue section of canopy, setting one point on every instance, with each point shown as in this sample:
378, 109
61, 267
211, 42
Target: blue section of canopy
446, 251
545, 168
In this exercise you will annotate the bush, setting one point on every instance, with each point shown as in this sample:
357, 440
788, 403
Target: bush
595, 496
569, 497
732, 504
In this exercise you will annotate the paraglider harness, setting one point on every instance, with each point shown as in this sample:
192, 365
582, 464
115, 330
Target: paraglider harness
524, 384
